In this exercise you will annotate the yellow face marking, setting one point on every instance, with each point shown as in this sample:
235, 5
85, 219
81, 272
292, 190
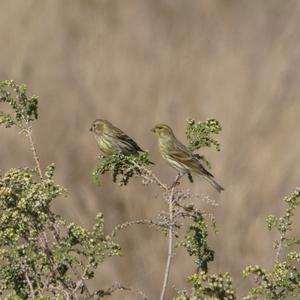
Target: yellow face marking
158, 132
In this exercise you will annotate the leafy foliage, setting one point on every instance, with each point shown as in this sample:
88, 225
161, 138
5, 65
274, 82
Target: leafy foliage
41, 256
121, 166
39, 251
196, 243
25, 108
199, 133
205, 286
283, 281
199, 136
216, 286
284, 224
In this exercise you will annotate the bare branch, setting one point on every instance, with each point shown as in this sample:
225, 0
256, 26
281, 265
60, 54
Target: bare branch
149, 176
118, 286
125, 225
170, 236
33, 149
32, 293
80, 278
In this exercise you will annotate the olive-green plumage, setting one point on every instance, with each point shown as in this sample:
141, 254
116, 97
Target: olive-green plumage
179, 156
111, 139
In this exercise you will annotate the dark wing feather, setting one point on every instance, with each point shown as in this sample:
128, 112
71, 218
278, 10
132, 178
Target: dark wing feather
130, 146
126, 139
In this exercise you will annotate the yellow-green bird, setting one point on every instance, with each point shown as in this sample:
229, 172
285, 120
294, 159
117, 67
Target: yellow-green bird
179, 156
111, 139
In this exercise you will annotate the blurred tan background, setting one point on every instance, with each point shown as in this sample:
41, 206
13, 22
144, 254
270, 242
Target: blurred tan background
140, 62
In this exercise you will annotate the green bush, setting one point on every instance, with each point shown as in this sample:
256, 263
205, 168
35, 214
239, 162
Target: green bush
283, 280
44, 257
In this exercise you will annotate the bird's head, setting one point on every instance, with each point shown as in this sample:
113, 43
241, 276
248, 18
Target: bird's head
99, 126
162, 130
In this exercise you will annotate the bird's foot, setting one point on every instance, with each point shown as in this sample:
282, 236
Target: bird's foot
176, 182
173, 185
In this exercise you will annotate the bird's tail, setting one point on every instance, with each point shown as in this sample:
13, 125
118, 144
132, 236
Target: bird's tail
217, 186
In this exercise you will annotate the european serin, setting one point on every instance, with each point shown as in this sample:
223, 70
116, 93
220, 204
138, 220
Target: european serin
111, 139
179, 156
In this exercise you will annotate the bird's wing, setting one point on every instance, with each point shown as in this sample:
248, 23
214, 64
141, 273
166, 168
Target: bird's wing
124, 138
182, 154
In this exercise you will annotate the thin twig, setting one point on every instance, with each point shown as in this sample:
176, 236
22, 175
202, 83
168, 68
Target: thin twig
150, 176
33, 149
170, 236
32, 293
56, 236
279, 247
125, 225
79, 283
57, 291
118, 286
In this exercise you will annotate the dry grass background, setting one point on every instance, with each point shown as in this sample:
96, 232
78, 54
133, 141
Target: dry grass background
140, 62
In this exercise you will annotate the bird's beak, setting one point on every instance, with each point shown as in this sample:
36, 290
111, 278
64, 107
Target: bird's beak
91, 129
153, 129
